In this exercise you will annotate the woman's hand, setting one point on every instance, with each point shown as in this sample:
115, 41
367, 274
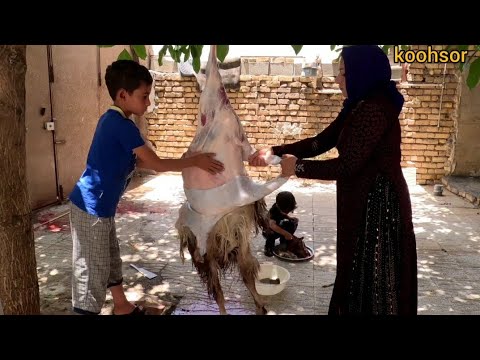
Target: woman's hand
258, 158
288, 165
206, 162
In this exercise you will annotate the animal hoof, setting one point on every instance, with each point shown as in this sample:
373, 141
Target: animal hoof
262, 311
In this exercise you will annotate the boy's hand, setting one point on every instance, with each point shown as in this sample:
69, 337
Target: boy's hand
206, 162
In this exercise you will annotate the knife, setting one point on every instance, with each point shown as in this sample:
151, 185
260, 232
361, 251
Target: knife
148, 274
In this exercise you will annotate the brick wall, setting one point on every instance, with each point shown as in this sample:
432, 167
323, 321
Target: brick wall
428, 118
284, 109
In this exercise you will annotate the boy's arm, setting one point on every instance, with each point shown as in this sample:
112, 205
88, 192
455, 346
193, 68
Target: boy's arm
146, 158
279, 230
290, 217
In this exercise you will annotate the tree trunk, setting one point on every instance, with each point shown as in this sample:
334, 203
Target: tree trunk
19, 292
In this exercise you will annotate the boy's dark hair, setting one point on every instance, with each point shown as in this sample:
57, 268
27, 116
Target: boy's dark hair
286, 201
126, 74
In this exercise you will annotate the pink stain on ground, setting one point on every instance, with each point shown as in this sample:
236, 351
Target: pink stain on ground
45, 217
54, 228
57, 225
125, 207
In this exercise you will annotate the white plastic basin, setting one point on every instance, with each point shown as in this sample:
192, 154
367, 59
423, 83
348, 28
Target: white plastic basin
273, 272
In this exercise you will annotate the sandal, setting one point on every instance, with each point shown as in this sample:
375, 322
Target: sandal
136, 311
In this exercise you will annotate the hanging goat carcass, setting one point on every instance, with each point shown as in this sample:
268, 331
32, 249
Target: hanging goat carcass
217, 221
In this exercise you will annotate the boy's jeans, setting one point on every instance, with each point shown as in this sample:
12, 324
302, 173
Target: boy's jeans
287, 225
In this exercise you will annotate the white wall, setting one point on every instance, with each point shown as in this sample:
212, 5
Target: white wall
309, 52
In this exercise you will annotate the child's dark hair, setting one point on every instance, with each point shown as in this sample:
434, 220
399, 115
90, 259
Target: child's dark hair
126, 74
286, 201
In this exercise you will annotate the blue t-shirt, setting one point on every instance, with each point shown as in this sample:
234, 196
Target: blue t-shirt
110, 165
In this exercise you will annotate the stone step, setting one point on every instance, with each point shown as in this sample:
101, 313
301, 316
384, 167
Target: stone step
467, 187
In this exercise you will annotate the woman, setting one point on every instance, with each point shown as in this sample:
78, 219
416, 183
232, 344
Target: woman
376, 250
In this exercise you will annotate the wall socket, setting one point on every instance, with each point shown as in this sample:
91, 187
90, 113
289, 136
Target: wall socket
50, 125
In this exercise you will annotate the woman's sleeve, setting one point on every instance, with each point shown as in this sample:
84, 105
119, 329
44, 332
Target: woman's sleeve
367, 128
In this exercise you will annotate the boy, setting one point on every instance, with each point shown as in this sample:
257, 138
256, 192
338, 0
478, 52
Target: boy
116, 147
281, 224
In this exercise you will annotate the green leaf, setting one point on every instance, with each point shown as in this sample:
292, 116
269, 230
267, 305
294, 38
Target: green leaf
172, 52
185, 49
474, 74
196, 50
296, 48
175, 52
196, 59
405, 47
161, 54
332, 47
187, 53
105, 46
222, 51
141, 51
196, 64
124, 55
385, 48
178, 52
163, 50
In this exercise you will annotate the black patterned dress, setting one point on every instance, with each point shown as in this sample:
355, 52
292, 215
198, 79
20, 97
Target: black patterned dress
376, 248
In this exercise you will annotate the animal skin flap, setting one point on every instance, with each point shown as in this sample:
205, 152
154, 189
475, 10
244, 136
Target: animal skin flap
219, 130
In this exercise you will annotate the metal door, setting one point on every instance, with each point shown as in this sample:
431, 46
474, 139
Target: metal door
41, 171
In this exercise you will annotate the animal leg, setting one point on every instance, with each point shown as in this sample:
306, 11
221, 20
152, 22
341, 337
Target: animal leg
214, 286
248, 267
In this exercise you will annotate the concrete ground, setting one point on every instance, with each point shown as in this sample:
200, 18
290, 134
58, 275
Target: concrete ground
448, 243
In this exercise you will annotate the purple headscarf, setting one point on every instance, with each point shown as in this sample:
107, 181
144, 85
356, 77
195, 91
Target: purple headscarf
367, 71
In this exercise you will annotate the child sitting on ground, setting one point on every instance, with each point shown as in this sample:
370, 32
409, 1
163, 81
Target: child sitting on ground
282, 226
